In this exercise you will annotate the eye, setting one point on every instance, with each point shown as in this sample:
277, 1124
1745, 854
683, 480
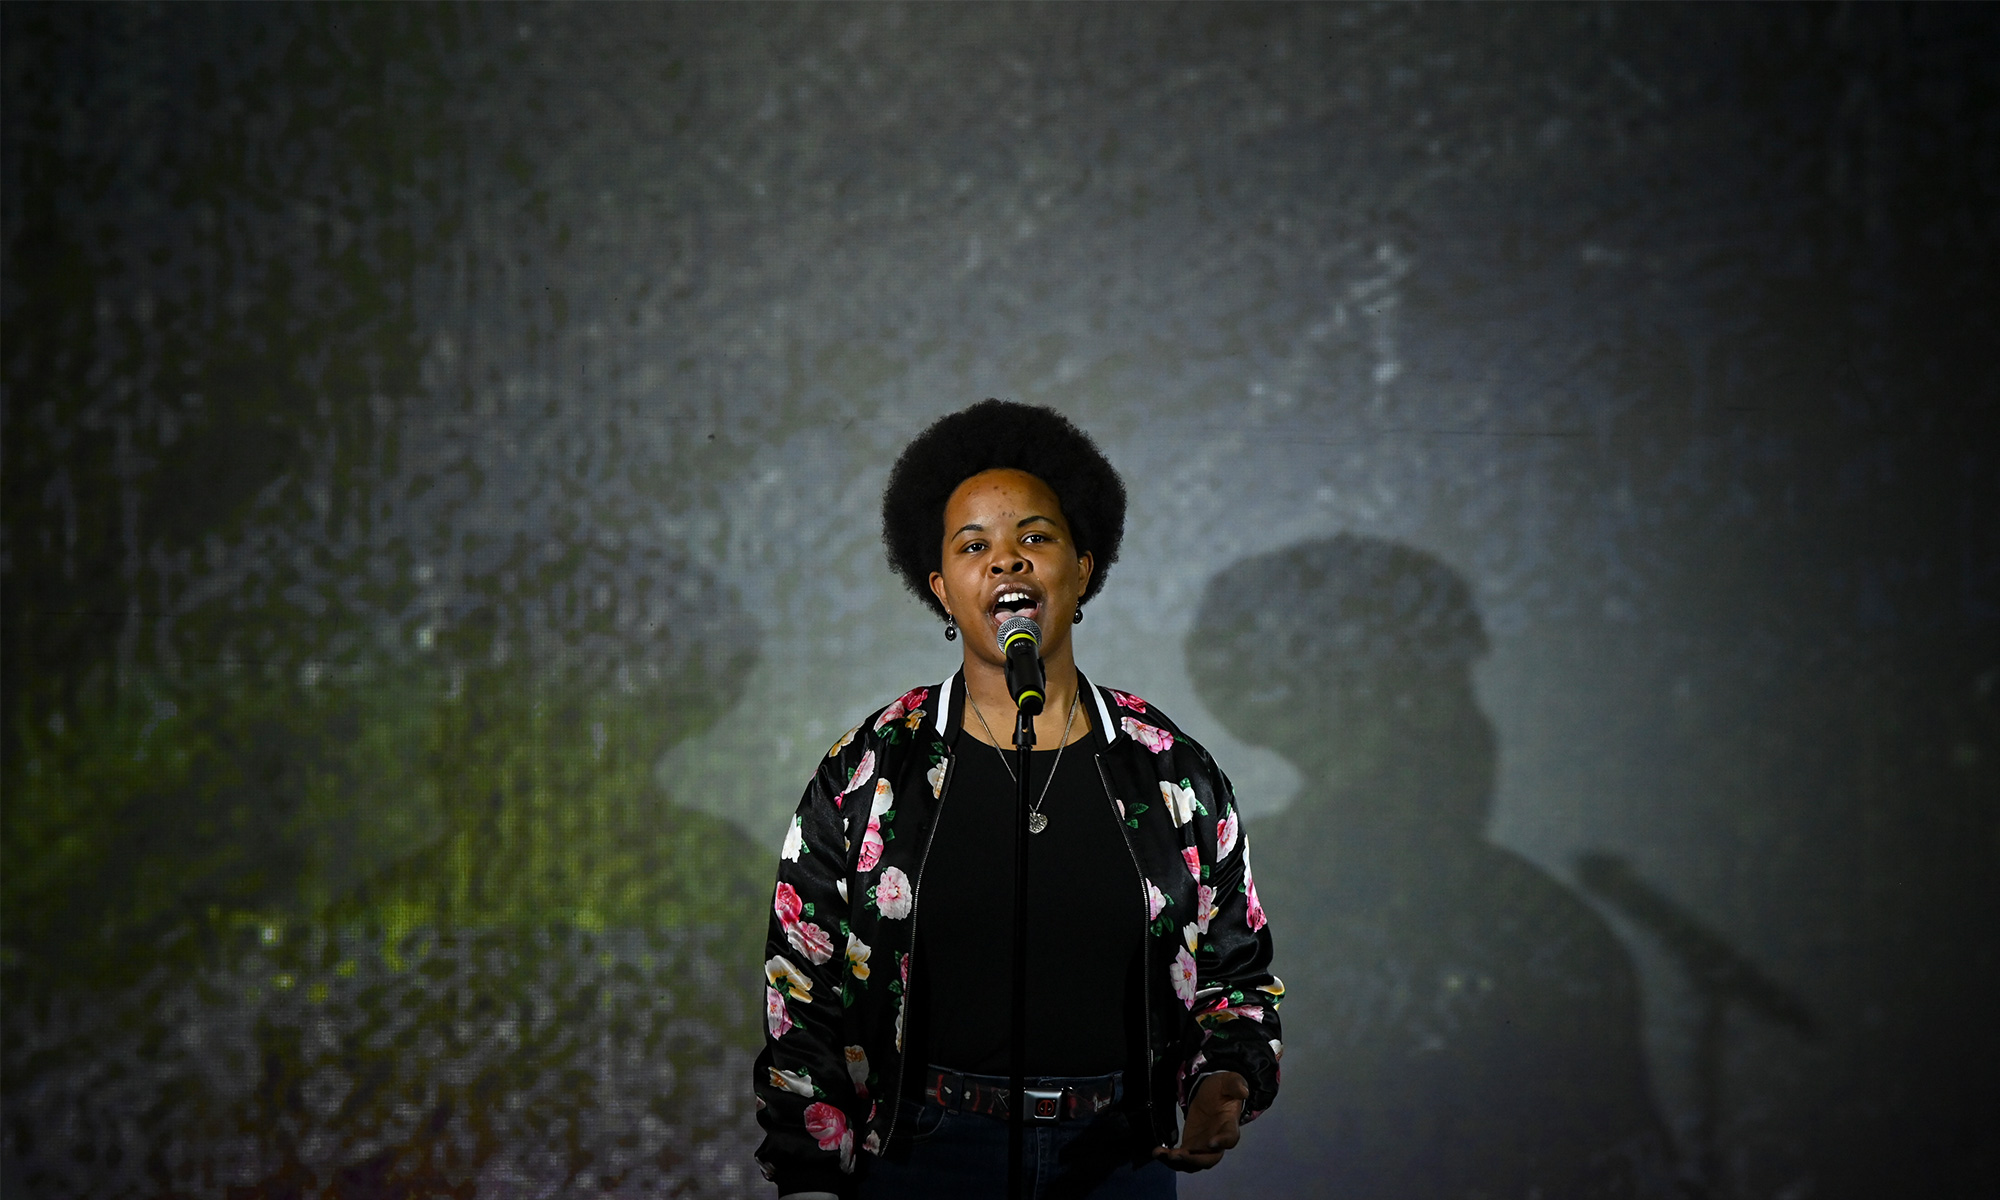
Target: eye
1037, 537
972, 547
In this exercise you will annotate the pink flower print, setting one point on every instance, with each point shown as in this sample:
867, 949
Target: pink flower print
863, 772
905, 965
1127, 700
776, 1018
871, 847
810, 940
1181, 971
871, 840
786, 905
1225, 834
1179, 802
892, 895
1156, 901
827, 1124
1255, 910
1222, 1011
1204, 907
1159, 741
857, 1069
906, 705
1192, 857
874, 1143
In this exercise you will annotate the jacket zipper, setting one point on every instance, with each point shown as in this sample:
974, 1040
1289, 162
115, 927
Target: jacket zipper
909, 993
1145, 946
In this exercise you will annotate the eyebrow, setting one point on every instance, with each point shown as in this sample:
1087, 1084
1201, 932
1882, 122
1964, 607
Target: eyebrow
976, 527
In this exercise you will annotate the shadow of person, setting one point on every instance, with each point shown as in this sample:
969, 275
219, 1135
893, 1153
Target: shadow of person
560, 943
1458, 1023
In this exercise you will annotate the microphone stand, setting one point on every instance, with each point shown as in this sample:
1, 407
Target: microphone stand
1723, 978
1017, 1082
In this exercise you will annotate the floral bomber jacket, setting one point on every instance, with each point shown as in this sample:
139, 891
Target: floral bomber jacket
846, 906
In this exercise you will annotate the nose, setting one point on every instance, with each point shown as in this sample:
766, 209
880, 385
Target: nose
1013, 568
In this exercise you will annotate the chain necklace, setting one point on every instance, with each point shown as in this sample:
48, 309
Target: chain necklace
1036, 821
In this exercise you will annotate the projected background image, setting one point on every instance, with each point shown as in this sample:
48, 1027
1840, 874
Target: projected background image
442, 456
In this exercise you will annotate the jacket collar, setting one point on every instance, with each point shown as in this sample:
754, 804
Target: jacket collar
951, 709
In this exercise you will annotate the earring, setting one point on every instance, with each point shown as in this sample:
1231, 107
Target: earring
1077, 618
950, 628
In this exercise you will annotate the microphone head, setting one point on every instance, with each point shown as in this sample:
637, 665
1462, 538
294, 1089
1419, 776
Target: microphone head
1015, 628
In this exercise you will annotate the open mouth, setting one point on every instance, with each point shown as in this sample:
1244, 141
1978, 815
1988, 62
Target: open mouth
1014, 602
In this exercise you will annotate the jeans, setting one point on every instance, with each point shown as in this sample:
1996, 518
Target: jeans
963, 1156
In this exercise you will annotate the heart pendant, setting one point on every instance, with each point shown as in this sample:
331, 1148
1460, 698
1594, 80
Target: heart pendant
1037, 822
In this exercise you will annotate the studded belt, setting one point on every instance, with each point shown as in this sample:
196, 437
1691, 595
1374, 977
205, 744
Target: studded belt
1076, 1099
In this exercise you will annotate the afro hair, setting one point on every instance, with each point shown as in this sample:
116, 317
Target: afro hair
987, 436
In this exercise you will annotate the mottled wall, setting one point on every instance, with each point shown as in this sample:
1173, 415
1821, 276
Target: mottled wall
441, 456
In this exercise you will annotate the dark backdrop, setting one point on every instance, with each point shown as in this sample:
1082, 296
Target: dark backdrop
441, 454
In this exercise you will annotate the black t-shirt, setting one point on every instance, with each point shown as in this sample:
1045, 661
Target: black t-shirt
1085, 922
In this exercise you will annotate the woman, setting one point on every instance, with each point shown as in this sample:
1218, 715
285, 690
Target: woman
884, 1072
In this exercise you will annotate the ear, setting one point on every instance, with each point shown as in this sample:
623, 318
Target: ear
1085, 564
937, 589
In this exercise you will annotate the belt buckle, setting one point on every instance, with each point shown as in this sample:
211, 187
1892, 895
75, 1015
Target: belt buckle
1045, 1107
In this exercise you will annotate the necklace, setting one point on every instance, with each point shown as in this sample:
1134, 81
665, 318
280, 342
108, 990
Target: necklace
1036, 821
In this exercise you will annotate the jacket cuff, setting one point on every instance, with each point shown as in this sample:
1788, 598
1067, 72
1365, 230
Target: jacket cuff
1257, 1070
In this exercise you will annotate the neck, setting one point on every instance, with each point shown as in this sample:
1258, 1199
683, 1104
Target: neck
986, 687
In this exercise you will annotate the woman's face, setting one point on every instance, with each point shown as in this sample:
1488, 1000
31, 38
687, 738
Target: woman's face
1007, 553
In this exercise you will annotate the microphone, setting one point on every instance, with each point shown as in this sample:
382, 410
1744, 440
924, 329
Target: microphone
1021, 642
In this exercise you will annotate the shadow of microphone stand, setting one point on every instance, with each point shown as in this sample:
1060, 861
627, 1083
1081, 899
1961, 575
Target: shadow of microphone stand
1718, 973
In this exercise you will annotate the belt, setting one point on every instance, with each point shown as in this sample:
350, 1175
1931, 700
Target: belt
1078, 1099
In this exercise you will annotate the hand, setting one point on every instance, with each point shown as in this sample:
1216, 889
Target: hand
1211, 1125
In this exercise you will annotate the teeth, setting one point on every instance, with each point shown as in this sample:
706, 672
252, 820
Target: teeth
1011, 597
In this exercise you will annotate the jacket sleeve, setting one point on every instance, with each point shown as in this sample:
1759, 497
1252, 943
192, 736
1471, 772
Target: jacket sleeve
1236, 996
806, 1101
